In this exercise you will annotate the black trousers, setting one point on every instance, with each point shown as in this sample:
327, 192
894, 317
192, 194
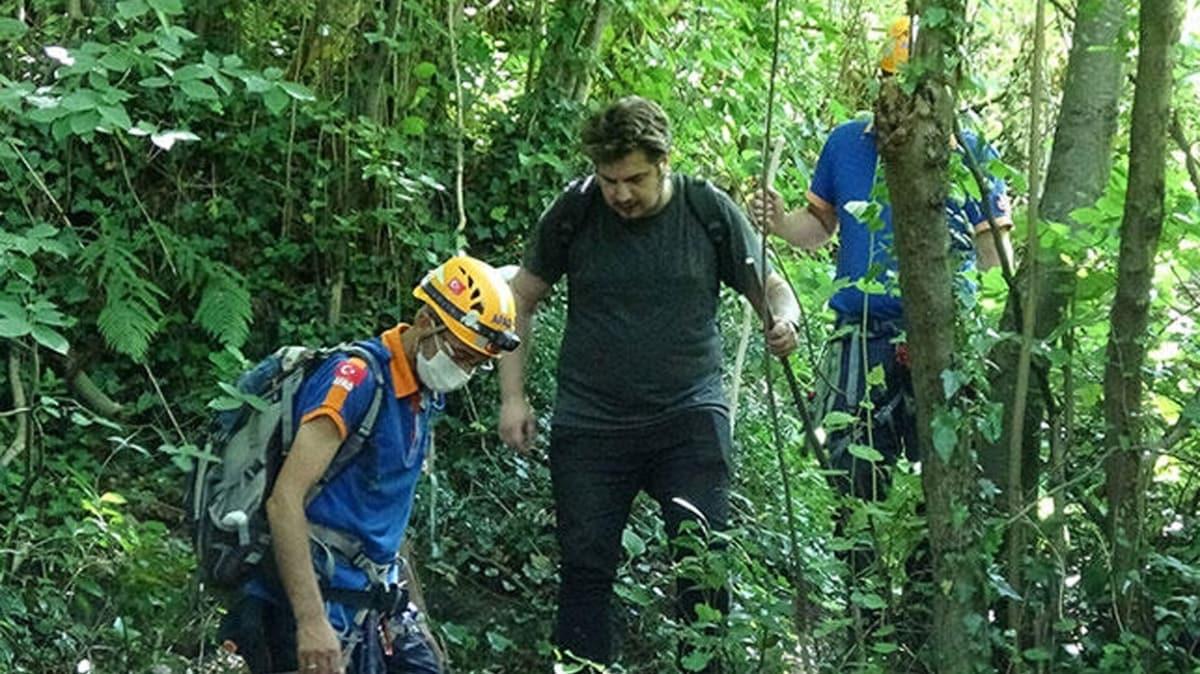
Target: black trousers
265, 636
596, 475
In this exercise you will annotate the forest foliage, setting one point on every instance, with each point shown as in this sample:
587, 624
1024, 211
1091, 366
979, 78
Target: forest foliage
185, 186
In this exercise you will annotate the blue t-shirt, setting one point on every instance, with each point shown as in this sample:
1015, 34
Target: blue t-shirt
845, 173
372, 497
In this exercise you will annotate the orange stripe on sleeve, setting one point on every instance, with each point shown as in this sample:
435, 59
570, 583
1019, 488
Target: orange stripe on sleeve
334, 416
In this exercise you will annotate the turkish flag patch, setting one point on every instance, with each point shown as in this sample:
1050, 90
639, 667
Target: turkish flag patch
456, 286
350, 374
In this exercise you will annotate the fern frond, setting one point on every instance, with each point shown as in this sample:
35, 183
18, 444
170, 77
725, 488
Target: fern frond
127, 326
131, 314
224, 310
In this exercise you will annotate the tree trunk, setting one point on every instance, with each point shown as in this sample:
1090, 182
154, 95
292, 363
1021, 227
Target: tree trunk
377, 63
590, 49
914, 141
573, 50
1076, 176
1127, 466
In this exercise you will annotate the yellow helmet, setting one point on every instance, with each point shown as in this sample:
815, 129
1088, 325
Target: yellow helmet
475, 303
895, 50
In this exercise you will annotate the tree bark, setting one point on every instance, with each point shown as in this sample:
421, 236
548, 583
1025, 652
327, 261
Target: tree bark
1127, 466
20, 441
590, 49
575, 40
914, 132
377, 63
1080, 161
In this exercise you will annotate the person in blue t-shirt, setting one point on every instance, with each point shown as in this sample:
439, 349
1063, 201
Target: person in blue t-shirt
871, 324
333, 602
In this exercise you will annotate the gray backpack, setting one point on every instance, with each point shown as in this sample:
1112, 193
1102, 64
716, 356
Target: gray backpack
244, 450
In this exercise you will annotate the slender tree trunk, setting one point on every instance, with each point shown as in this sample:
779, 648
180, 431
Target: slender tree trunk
574, 48
20, 441
590, 49
914, 132
535, 44
1076, 176
1127, 466
377, 64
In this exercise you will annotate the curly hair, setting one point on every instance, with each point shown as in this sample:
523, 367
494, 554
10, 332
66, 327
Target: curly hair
631, 123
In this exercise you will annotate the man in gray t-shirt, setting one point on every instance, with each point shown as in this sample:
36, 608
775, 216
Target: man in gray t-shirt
639, 405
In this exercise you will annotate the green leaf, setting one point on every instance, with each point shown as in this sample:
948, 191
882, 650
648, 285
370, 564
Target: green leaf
113, 497
298, 91
868, 600
84, 122
131, 9
224, 311
11, 29
14, 327
865, 452
117, 61
633, 543
116, 115
84, 99
884, 647
876, 376
933, 16
154, 82
499, 642
424, 70
413, 126
243, 397
256, 85
47, 115
127, 325
1036, 654
696, 661
198, 91
945, 434
276, 99
837, 420
952, 381
11, 309
23, 267
225, 404
51, 339
194, 71
168, 7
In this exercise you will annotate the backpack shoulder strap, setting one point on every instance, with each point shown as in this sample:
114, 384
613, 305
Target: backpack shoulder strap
703, 199
573, 207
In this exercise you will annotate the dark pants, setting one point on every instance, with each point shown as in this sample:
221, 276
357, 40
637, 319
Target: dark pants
265, 636
893, 428
893, 432
596, 475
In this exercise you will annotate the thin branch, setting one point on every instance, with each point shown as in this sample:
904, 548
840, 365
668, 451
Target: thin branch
38, 179
166, 405
20, 442
451, 15
1193, 167
142, 207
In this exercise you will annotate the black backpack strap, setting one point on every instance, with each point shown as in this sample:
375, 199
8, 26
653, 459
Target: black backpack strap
704, 201
352, 445
572, 208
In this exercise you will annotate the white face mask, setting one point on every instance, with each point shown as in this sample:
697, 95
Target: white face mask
440, 373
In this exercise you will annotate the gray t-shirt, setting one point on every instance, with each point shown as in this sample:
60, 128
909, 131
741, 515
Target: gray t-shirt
641, 340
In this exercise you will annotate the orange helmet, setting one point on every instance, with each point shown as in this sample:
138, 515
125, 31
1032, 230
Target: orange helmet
895, 50
475, 303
